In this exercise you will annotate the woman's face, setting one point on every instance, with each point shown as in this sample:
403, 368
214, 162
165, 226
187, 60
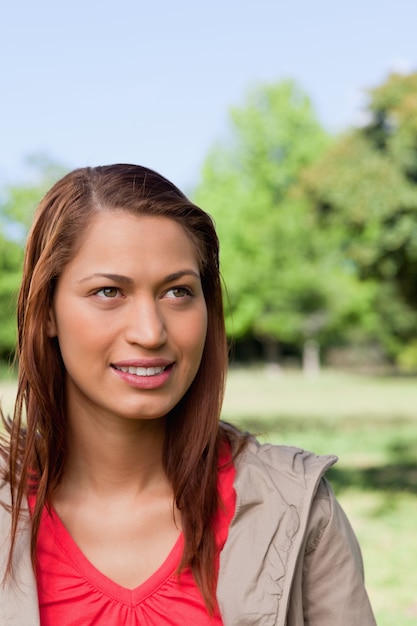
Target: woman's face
130, 317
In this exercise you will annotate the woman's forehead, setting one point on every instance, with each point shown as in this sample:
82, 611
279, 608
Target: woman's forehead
124, 239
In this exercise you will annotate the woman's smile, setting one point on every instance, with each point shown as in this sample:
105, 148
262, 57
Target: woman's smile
130, 317
140, 371
144, 376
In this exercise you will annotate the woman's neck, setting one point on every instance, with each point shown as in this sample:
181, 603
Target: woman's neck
108, 454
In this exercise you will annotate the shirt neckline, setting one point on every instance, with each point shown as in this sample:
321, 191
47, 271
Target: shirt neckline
98, 579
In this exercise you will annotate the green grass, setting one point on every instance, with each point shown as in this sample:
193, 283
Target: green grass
371, 424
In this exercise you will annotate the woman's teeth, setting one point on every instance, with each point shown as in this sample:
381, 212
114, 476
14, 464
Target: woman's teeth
141, 371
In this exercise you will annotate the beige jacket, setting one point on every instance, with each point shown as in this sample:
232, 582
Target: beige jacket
291, 558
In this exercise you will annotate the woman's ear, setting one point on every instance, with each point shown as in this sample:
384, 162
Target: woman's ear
51, 330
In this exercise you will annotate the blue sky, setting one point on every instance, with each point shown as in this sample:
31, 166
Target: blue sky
89, 82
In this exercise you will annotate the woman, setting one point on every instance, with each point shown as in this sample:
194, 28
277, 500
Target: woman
124, 499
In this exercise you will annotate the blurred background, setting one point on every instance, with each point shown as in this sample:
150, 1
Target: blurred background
295, 126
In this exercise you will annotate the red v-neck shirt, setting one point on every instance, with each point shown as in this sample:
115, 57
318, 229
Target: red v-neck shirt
72, 592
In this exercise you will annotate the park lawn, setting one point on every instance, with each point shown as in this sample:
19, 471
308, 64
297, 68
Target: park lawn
370, 423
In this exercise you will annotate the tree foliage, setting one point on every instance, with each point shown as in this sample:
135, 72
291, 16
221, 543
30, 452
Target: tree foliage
17, 204
10, 265
286, 279
367, 183
366, 187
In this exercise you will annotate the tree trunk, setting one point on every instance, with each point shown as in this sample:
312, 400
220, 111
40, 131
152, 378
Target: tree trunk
311, 358
272, 354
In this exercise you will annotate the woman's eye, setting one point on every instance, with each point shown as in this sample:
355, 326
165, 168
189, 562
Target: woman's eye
108, 292
178, 292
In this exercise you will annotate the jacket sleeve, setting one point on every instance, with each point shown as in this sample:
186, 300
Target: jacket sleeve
333, 589
18, 594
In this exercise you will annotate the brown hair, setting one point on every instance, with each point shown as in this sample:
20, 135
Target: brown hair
37, 451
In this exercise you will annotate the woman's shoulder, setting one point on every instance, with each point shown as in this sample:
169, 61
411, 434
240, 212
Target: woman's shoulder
286, 459
4, 462
285, 477
276, 462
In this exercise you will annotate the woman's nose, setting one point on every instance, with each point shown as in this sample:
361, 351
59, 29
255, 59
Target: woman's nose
145, 324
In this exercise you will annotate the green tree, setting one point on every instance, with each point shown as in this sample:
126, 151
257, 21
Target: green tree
366, 187
18, 201
10, 265
281, 272
17, 204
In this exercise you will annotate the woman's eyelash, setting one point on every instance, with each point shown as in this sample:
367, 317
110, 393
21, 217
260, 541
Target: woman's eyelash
186, 291
107, 292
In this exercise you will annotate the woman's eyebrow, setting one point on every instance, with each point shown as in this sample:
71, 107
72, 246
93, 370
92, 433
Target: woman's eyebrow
129, 281
180, 274
114, 277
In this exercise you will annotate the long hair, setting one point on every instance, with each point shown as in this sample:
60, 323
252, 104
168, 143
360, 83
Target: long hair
37, 450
